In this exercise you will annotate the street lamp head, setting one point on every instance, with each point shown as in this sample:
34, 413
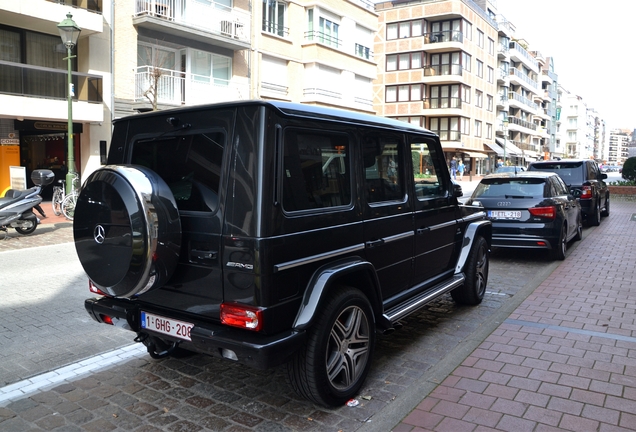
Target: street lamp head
505, 123
69, 31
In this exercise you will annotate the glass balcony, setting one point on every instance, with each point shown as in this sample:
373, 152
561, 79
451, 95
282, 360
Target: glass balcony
36, 81
442, 103
444, 36
444, 69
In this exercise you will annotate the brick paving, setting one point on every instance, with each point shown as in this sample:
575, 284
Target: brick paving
565, 359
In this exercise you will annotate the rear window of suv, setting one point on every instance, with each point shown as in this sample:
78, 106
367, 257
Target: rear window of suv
510, 188
570, 172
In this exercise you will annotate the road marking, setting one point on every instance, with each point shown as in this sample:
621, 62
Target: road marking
45, 381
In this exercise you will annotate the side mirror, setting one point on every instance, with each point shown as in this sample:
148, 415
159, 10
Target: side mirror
603, 176
457, 190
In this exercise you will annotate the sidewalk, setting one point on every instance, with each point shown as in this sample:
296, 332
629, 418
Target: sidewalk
51, 230
565, 359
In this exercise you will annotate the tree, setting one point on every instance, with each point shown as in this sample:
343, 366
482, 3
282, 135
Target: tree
629, 169
157, 61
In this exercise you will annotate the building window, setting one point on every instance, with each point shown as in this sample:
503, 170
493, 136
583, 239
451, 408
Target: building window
488, 130
480, 68
465, 93
477, 128
468, 30
405, 29
446, 96
446, 127
328, 29
404, 61
445, 64
274, 17
491, 46
465, 122
491, 75
404, 93
466, 60
479, 98
415, 120
480, 38
489, 102
446, 31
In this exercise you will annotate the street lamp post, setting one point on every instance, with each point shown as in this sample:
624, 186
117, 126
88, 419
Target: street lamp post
69, 32
505, 134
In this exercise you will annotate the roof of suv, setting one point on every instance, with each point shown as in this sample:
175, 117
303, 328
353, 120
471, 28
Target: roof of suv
562, 161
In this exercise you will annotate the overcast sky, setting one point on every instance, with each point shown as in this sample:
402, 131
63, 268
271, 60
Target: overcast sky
594, 49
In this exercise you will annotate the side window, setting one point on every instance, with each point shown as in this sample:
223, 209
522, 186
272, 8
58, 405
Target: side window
559, 184
316, 170
427, 171
383, 170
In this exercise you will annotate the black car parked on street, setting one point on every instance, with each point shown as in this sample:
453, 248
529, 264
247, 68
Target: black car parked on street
265, 233
586, 181
532, 210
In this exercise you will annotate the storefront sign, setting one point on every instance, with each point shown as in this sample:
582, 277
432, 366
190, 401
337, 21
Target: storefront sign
18, 177
9, 141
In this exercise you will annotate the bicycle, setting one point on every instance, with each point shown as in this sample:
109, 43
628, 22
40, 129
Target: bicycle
67, 206
58, 196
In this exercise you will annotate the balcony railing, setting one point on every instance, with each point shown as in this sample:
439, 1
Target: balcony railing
444, 36
525, 54
522, 123
178, 88
207, 16
91, 5
273, 28
323, 38
442, 103
444, 69
524, 146
523, 100
364, 52
523, 77
37, 81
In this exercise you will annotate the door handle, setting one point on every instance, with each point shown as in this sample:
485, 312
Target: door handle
373, 243
420, 231
203, 254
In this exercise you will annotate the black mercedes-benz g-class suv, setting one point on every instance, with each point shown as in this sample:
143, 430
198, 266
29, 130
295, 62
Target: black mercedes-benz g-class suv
268, 233
586, 182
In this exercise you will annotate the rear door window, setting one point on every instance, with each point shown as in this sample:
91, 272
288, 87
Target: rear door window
189, 164
316, 171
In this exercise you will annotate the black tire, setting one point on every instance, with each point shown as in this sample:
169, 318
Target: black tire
332, 366
68, 206
476, 271
558, 253
605, 213
579, 229
595, 218
27, 231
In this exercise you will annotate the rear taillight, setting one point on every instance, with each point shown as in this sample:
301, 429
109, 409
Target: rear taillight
106, 319
544, 212
586, 192
93, 288
242, 316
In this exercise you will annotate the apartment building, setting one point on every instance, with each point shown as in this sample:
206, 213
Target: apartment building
315, 52
619, 145
169, 53
33, 87
576, 129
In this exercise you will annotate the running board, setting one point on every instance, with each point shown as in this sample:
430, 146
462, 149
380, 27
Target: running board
411, 305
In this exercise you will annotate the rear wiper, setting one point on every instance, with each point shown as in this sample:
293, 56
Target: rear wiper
517, 196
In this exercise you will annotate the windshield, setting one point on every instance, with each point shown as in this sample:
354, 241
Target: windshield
571, 172
510, 188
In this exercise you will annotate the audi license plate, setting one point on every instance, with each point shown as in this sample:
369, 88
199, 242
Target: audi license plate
504, 214
169, 326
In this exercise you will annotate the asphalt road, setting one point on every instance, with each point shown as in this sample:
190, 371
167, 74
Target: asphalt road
43, 326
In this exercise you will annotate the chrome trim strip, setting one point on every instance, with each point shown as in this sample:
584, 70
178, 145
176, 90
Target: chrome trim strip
313, 258
398, 236
443, 225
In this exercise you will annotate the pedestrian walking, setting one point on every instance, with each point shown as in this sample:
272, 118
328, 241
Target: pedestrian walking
460, 169
453, 168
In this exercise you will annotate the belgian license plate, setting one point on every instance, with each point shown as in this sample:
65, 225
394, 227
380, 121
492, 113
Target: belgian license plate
169, 326
504, 214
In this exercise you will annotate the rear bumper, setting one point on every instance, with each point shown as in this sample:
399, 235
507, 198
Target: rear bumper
251, 349
524, 242
526, 236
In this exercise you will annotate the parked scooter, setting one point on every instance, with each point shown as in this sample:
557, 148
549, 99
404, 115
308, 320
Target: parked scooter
16, 207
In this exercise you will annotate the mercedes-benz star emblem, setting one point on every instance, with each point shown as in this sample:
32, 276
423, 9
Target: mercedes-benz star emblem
99, 234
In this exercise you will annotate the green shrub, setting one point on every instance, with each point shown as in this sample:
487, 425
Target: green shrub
629, 169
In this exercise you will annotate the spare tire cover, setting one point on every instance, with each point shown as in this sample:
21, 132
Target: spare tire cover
127, 230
